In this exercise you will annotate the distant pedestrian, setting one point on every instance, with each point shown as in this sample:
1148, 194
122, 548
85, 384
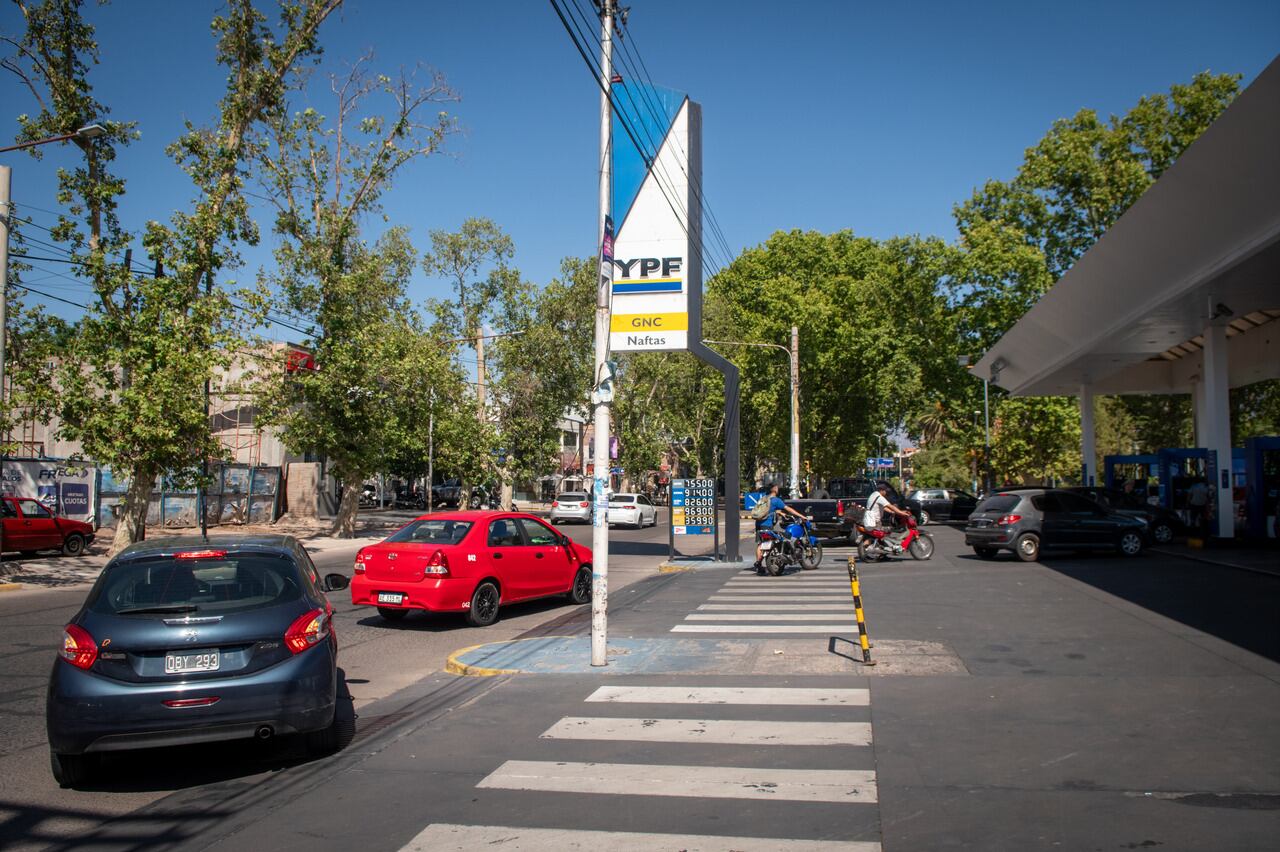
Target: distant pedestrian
1198, 504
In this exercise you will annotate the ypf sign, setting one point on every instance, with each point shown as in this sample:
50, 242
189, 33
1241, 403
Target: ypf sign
657, 261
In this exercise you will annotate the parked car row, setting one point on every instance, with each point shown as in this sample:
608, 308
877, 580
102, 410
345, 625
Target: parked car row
633, 510
232, 637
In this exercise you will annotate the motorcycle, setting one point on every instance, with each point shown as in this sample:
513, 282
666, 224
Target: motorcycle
876, 545
793, 544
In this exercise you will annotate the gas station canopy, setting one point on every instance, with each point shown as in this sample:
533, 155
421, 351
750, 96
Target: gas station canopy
1199, 250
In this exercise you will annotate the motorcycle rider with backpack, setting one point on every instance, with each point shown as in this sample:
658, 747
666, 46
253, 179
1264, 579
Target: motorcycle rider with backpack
765, 513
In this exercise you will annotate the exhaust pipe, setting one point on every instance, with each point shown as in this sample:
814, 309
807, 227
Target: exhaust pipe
264, 732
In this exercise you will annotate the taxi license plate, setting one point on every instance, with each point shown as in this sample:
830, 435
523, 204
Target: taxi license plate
200, 661
390, 597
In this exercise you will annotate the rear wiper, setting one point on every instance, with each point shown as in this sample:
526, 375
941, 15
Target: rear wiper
168, 608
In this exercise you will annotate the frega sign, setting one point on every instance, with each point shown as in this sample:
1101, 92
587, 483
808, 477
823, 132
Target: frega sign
657, 258
66, 487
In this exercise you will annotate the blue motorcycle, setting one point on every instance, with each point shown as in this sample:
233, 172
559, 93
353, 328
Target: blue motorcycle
793, 544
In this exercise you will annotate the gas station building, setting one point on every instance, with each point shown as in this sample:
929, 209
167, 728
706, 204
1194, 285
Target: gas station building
1181, 295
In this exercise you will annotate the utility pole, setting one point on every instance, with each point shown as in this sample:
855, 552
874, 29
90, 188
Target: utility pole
431, 447
795, 412
603, 395
5, 210
986, 438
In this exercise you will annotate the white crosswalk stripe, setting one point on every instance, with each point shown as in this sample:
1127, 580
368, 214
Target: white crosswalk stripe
464, 838
768, 732
783, 598
746, 695
763, 616
763, 628
847, 786
833, 608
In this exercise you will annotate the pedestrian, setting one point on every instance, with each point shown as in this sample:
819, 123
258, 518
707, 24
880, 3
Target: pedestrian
769, 522
1198, 504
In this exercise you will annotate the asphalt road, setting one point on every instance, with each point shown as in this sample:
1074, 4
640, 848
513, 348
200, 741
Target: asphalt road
377, 657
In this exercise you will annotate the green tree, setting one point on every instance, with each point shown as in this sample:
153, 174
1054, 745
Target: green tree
131, 380
377, 368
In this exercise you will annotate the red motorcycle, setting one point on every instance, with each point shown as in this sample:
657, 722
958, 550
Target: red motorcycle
877, 544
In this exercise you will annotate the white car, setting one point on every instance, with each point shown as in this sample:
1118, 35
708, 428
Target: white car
571, 506
633, 510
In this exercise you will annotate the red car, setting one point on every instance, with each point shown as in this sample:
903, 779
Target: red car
470, 562
30, 526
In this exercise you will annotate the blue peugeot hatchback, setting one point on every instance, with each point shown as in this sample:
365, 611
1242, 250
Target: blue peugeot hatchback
185, 642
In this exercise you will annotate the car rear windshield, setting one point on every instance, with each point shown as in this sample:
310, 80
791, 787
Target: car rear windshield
432, 531
572, 495
623, 498
999, 503
236, 583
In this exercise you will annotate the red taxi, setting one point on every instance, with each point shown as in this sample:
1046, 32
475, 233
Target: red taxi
470, 562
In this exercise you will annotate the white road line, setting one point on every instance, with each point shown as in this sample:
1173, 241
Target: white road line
845, 786
442, 837
729, 732
778, 599
835, 609
765, 628
763, 616
758, 582
755, 589
754, 695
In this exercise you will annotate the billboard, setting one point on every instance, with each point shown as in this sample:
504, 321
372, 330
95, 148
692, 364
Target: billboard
657, 260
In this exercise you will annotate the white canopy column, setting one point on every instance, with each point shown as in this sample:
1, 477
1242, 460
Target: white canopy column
1215, 420
1088, 442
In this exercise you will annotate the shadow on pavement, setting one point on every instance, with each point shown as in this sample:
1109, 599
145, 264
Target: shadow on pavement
421, 621
1236, 606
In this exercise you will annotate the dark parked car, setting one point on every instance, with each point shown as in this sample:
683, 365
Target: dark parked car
1029, 520
187, 642
942, 504
29, 527
1162, 524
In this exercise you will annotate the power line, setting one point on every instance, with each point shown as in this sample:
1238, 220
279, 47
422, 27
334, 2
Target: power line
623, 119
587, 32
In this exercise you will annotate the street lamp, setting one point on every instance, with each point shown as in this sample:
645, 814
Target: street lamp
793, 356
963, 361
6, 208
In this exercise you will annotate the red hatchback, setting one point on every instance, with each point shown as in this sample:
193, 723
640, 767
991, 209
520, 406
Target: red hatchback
29, 526
470, 562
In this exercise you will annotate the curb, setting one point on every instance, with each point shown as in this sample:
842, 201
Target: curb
454, 666
10, 587
674, 568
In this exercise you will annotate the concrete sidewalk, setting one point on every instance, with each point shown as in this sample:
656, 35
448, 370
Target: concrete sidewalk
1263, 558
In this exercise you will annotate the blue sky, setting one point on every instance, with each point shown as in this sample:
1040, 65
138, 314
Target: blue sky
873, 117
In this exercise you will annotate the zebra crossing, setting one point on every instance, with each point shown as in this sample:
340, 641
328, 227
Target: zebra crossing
693, 719
796, 604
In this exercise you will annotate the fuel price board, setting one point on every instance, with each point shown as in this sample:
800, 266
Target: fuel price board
693, 506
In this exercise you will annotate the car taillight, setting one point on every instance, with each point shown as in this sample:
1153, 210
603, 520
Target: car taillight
359, 566
555, 504
839, 508
200, 554
628, 507
585, 505
438, 564
309, 630
78, 647
1008, 520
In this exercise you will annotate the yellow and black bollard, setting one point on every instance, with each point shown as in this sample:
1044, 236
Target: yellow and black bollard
857, 610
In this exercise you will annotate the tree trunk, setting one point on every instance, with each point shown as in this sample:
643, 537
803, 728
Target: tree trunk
132, 525
344, 525
507, 493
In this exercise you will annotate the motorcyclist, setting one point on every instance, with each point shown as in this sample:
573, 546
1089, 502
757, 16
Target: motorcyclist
877, 504
771, 522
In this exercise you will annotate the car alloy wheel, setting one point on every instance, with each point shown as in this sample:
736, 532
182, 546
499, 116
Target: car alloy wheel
484, 605
1130, 543
924, 517
1027, 547
1162, 533
581, 592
